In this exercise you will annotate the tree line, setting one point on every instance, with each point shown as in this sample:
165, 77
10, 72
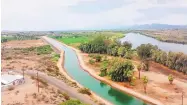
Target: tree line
104, 46
173, 60
146, 52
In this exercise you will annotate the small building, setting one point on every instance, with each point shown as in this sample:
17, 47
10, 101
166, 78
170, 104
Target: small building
11, 80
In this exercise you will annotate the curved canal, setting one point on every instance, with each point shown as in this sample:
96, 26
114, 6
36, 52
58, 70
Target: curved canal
103, 90
137, 39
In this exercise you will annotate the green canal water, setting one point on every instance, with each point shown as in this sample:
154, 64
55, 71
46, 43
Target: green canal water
103, 90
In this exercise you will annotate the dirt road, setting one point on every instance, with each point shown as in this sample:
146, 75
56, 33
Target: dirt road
61, 85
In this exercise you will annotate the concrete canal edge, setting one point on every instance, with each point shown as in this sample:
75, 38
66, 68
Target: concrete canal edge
113, 85
60, 64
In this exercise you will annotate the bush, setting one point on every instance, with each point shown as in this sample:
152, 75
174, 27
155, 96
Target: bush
44, 49
85, 91
103, 71
91, 61
72, 102
11, 88
170, 78
98, 58
66, 96
8, 58
91, 55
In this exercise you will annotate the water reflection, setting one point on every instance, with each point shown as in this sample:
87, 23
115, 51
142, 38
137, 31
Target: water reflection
138, 39
102, 84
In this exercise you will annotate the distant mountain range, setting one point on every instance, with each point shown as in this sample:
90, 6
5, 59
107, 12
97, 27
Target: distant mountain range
157, 26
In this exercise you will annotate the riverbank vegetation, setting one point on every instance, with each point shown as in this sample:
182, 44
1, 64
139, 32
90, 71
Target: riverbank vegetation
175, 61
171, 36
145, 52
72, 102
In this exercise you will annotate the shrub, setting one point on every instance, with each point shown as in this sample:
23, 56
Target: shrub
170, 78
103, 71
98, 58
85, 91
91, 61
91, 55
8, 58
66, 96
11, 88
72, 102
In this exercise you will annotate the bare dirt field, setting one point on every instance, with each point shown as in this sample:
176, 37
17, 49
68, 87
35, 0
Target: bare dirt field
158, 86
27, 94
16, 55
24, 43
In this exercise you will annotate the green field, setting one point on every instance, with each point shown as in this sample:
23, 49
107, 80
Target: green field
83, 37
74, 39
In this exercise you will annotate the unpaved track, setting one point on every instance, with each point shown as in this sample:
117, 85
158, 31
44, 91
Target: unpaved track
60, 85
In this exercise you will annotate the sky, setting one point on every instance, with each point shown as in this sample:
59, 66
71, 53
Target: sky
37, 15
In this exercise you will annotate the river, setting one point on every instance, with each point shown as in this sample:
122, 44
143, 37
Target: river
137, 39
103, 90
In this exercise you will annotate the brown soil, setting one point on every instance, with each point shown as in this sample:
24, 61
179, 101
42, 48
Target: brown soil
14, 57
27, 94
158, 86
23, 43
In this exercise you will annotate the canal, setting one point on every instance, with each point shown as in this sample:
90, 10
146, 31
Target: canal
103, 90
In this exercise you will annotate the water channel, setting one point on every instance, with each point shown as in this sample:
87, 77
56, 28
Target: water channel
103, 90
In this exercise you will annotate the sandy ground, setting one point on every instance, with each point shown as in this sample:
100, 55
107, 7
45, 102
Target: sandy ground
15, 57
23, 43
27, 94
158, 87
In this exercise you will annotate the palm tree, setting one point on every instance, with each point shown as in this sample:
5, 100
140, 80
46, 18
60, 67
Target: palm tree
145, 81
139, 67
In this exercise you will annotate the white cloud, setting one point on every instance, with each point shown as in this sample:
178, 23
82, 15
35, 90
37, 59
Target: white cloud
56, 14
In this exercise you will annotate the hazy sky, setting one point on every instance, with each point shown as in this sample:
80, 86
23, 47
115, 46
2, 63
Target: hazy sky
89, 14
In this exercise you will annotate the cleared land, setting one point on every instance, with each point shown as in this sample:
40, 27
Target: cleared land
32, 55
27, 94
172, 36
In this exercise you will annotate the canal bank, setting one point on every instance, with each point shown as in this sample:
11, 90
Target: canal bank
103, 90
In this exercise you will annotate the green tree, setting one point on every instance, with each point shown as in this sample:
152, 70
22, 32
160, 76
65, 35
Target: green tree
120, 69
121, 51
127, 45
144, 51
